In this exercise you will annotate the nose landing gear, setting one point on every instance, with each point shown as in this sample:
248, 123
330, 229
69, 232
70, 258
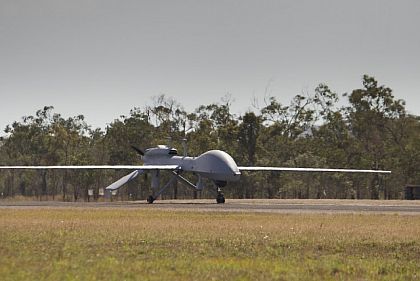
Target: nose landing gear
220, 199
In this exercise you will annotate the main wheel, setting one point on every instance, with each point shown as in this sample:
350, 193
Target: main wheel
150, 199
220, 199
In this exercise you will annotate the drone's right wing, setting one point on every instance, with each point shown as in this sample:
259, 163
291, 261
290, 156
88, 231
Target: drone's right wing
287, 169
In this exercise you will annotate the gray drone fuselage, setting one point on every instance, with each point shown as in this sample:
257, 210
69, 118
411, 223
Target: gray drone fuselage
215, 165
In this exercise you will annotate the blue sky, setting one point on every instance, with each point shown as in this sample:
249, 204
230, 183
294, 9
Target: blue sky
102, 58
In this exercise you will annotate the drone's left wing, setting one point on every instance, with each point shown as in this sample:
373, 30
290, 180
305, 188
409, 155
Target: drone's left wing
138, 170
286, 169
95, 167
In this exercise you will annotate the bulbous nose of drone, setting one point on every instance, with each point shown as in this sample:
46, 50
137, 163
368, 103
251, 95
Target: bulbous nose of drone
217, 165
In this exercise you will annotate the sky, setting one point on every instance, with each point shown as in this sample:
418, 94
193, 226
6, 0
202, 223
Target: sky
101, 58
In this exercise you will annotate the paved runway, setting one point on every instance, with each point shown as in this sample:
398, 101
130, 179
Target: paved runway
242, 205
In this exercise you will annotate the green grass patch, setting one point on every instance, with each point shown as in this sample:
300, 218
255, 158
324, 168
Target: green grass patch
127, 244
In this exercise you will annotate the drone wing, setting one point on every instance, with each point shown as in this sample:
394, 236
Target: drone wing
286, 169
95, 167
138, 170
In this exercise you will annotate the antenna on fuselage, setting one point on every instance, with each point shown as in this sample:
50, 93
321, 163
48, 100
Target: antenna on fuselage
185, 146
138, 150
169, 141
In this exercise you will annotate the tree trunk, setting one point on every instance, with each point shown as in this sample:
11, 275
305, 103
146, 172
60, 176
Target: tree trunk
44, 184
175, 186
64, 185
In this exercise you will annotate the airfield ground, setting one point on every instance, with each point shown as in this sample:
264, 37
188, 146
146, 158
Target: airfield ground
241, 205
183, 240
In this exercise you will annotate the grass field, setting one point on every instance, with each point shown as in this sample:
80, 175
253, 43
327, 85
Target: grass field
129, 244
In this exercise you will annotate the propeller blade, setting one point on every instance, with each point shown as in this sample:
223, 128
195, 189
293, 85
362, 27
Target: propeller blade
138, 150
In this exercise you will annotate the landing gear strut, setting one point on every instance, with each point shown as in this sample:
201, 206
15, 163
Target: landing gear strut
220, 199
155, 185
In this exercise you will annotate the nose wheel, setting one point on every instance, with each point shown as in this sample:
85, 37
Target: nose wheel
220, 199
150, 199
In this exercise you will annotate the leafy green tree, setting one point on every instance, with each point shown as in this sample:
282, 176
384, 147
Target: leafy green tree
374, 131
372, 111
248, 134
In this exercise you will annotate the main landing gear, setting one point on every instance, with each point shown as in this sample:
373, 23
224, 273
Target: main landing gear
150, 199
155, 185
220, 199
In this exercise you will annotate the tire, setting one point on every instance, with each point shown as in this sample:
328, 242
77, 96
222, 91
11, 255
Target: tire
150, 199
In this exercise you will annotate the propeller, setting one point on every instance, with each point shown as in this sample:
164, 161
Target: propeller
138, 150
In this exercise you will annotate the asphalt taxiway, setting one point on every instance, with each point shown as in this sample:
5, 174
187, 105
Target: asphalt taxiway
240, 205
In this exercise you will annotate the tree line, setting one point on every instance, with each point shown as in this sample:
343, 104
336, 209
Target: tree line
373, 131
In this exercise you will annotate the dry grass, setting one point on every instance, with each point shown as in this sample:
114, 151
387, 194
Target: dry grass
127, 244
